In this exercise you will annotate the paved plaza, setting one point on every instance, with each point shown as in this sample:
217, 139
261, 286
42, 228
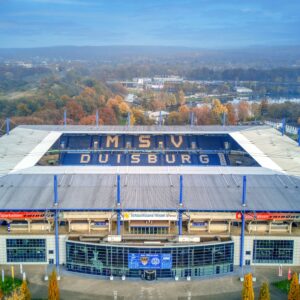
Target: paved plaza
75, 286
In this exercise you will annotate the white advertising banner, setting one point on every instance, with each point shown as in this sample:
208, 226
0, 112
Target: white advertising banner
149, 215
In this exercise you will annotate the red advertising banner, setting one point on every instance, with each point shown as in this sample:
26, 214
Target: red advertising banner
267, 216
21, 215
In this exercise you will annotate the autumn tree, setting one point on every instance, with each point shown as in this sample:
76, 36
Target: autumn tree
124, 108
184, 113
174, 118
181, 97
294, 293
108, 116
264, 293
231, 114
53, 289
218, 109
203, 115
1, 294
89, 120
74, 110
248, 292
24, 291
243, 111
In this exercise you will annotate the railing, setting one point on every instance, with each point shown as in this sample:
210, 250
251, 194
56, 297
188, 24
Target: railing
288, 128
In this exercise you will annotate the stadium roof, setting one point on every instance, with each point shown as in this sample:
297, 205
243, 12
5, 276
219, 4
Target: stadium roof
151, 192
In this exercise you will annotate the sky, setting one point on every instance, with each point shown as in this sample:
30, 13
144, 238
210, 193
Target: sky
189, 23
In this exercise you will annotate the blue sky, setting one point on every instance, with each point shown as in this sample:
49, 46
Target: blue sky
190, 23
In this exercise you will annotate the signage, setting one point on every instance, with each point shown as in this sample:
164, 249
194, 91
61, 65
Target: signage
159, 216
21, 215
267, 216
149, 261
123, 157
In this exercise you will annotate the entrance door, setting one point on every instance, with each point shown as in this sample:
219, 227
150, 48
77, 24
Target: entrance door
149, 275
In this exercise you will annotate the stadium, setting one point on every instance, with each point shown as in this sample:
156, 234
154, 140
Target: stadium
149, 202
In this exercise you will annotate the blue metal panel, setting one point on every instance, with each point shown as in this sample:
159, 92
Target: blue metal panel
242, 240
180, 222
56, 240
65, 117
299, 137
244, 190
283, 127
55, 190
118, 189
119, 222
180, 189
7, 125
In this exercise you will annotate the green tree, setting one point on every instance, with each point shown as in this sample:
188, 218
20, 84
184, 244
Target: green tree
264, 293
24, 290
248, 292
294, 293
53, 289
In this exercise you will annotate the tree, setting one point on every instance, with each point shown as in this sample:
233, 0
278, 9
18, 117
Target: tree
243, 111
248, 292
181, 98
264, 293
218, 109
24, 290
203, 115
1, 294
53, 289
124, 108
184, 113
294, 293
74, 110
174, 118
231, 115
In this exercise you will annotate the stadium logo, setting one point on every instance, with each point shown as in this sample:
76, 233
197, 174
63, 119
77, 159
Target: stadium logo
155, 261
144, 260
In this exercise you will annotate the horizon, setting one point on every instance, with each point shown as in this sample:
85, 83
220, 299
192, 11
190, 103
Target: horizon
179, 23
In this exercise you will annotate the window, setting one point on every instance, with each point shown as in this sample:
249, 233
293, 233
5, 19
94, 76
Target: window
248, 262
199, 260
26, 250
248, 252
51, 252
51, 261
273, 251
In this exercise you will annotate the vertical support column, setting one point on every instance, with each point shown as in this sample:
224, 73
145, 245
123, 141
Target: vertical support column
243, 222
56, 213
192, 118
128, 119
242, 240
299, 137
160, 118
179, 222
180, 189
118, 204
97, 118
7, 126
244, 191
180, 204
65, 117
283, 127
224, 119
119, 222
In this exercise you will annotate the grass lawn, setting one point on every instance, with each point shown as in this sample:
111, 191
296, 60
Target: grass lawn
283, 285
9, 284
